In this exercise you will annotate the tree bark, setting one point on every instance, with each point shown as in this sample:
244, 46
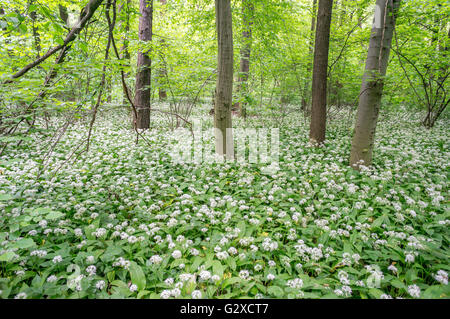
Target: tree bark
373, 81
320, 70
162, 72
244, 67
224, 84
305, 97
144, 64
124, 12
36, 36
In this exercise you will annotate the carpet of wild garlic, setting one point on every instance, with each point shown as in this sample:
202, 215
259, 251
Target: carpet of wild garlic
124, 222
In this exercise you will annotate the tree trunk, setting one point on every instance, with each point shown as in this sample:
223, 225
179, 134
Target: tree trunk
244, 68
320, 71
109, 88
305, 97
373, 80
124, 12
224, 85
162, 73
144, 71
36, 36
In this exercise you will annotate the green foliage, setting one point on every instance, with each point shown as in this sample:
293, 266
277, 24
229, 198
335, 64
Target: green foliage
126, 222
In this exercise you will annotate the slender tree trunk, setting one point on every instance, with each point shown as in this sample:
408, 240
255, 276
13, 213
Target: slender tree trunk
224, 85
441, 99
144, 64
36, 36
305, 97
320, 71
244, 68
124, 12
109, 88
162, 72
2, 12
373, 80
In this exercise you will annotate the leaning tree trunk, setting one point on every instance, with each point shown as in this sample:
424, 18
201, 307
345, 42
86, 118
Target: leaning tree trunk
144, 64
373, 81
244, 67
320, 71
305, 97
224, 85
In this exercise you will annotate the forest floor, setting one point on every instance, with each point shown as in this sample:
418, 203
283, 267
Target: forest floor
125, 221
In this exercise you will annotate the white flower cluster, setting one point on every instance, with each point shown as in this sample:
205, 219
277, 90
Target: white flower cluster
91, 270
442, 277
296, 283
155, 259
414, 291
100, 232
57, 259
176, 254
269, 244
244, 274
100, 284
39, 253
309, 253
121, 262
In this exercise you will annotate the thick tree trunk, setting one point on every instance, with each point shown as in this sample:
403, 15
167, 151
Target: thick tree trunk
373, 80
162, 72
224, 85
319, 83
144, 64
305, 97
244, 67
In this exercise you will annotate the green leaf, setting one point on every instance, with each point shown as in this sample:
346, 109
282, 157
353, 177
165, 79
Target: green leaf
137, 275
5, 197
142, 293
376, 293
54, 215
276, 291
217, 268
230, 281
398, 284
24, 243
8, 256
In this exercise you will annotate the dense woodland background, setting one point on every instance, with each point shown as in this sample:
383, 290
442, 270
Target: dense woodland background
273, 39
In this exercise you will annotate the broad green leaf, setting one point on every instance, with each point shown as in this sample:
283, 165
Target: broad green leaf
137, 275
